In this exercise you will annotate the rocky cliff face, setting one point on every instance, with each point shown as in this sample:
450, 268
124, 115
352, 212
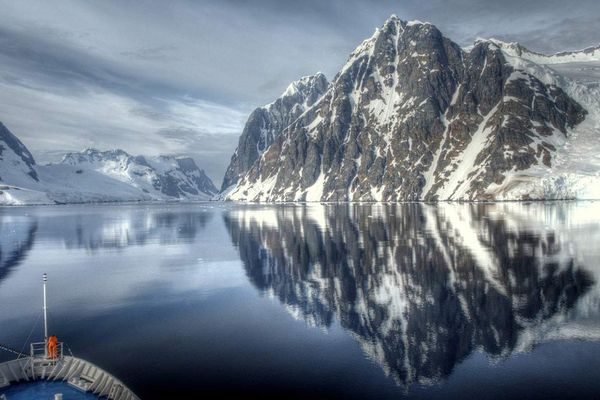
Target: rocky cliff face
412, 116
266, 124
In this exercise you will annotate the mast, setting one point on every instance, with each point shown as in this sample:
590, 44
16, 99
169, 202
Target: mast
45, 310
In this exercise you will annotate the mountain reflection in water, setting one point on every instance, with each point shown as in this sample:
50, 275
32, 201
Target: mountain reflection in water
425, 294
420, 286
94, 230
17, 235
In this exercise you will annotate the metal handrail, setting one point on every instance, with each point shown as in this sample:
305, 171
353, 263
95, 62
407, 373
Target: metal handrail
11, 350
40, 350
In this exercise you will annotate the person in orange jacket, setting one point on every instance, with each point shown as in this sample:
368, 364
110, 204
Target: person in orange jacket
52, 347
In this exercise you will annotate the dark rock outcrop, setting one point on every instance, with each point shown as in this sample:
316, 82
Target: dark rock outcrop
266, 123
20, 158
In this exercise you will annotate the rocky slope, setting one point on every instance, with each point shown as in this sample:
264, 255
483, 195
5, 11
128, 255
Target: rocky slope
19, 180
412, 116
266, 123
16, 162
95, 176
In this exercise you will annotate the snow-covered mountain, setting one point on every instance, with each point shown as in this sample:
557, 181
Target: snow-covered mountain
412, 116
161, 177
95, 176
422, 287
266, 123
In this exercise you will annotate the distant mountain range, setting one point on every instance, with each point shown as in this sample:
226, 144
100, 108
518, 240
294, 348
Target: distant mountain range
413, 116
96, 176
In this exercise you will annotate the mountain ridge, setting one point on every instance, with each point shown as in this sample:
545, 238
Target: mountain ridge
362, 141
591, 53
97, 176
20, 157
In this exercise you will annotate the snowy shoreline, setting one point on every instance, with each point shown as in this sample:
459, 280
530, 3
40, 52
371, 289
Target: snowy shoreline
275, 203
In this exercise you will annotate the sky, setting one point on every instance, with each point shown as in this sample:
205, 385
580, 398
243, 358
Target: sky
181, 77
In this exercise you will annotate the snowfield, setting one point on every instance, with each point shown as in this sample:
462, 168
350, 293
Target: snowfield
575, 171
16, 196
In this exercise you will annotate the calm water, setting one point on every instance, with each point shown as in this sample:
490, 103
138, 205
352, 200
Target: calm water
363, 301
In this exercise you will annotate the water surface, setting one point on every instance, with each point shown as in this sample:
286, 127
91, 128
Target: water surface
340, 301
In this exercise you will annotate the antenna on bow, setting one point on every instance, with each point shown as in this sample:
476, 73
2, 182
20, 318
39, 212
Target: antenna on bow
45, 310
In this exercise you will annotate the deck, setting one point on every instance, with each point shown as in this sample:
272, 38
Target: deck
74, 371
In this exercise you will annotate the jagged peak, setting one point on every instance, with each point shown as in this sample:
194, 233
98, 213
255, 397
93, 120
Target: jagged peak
491, 44
304, 82
93, 150
394, 19
91, 153
188, 163
303, 85
384, 31
87, 150
6, 134
416, 22
403, 25
513, 47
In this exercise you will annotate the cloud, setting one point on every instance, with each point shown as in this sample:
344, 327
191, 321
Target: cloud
103, 119
156, 53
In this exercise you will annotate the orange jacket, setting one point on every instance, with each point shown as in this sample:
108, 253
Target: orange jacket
52, 347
